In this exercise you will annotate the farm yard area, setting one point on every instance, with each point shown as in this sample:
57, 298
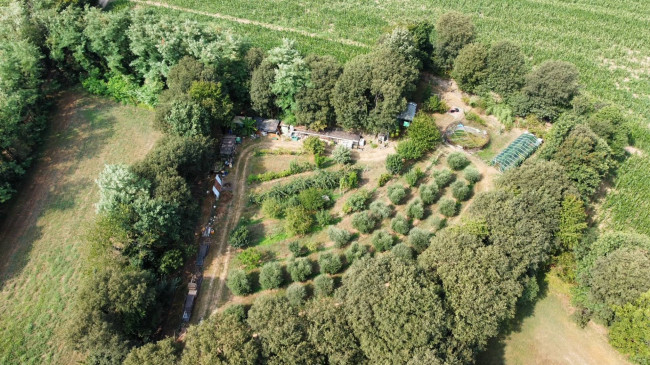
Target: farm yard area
41, 239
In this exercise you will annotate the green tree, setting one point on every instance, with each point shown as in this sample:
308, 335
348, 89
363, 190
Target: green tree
415, 210
187, 118
262, 98
291, 76
313, 145
413, 176
460, 190
380, 209
419, 239
453, 31
377, 293
472, 175
271, 275
239, 283
470, 67
364, 221
329, 263
221, 339
355, 252
448, 207
342, 155
298, 220
394, 163
357, 202
240, 237
409, 150
323, 285
213, 100
314, 107
506, 68
402, 42
118, 185
296, 294
312, 199
429, 193
340, 237
402, 251
609, 123
457, 160
272, 208
163, 352
629, 332
400, 224
299, 269
424, 132
282, 332
443, 177
382, 240
396, 194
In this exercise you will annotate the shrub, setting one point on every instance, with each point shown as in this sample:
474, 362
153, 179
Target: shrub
424, 132
312, 199
240, 237
381, 209
400, 224
396, 193
323, 218
272, 208
457, 160
438, 223
448, 207
472, 175
355, 252
409, 150
357, 201
239, 283
460, 190
298, 220
296, 249
329, 263
251, 258
271, 275
349, 181
296, 294
413, 176
402, 251
313, 145
394, 164
323, 285
443, 178
429, 193
434, 105
382, 240
364, 222
299, 269
419, 239
340, 237
342, 155
415, 209
383, 179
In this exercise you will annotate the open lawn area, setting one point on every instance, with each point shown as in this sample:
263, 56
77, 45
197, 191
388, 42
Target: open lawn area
545, 334
40, 239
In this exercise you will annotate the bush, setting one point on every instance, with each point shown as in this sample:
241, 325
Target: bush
460, 190
409, 150
323, 218
400, 224
313, 145
340, 237
381, 210
296, 249
419, 239
429, 193
272, 208
396, 193
382, 240
457, 160
443, 178
296, 294
355, 252
383, 179
251, 258
394, 164
329, 263
415, 209
312, 199
349, 181
472, 175
323, 285
448, 207
357, 201
342, 155
271, 275
240, 237
402, 251
434, 105
364, 222
239, 283
299, 269
298, 220
413, 176
438, 223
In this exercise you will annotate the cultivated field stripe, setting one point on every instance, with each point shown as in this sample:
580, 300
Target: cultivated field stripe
274, 27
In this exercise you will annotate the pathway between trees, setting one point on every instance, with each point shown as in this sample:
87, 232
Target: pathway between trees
274, 27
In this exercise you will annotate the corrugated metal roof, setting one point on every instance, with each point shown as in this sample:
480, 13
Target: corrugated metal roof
409, 113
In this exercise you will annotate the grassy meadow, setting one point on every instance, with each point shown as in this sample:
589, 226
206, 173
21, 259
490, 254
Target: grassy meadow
40, 241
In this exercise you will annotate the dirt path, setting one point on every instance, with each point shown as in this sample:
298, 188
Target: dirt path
274, 27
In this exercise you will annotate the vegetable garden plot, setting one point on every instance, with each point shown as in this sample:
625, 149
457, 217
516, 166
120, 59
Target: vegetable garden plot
517, 152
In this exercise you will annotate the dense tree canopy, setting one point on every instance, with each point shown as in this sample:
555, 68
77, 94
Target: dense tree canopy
470, 67
314, 102
506, 68
453, 32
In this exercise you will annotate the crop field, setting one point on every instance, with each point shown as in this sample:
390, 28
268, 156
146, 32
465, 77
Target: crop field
628, 205
40, 239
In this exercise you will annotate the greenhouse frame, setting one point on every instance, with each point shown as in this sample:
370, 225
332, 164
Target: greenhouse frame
516, 152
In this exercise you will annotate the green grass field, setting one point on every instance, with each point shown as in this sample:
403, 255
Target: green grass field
40, 241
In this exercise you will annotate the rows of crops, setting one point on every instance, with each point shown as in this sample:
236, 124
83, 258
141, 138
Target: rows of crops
629, 203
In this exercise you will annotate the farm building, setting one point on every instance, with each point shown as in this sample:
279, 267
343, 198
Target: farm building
349, 140
406, 117
217, 187
266, 126
228, 146
517, 152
